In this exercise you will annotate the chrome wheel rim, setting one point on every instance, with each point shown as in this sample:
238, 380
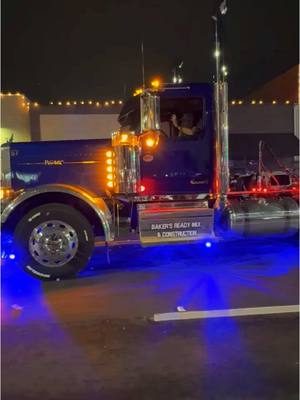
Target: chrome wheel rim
53, 243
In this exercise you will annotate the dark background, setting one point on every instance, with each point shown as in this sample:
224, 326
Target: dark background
60, 50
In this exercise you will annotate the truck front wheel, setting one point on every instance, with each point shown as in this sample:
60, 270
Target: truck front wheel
53, 241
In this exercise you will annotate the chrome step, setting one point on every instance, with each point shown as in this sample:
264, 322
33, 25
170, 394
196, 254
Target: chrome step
174, 222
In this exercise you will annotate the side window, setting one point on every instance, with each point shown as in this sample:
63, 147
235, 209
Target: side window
183, 118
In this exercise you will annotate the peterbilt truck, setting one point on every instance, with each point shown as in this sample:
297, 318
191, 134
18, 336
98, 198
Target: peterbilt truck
150, 183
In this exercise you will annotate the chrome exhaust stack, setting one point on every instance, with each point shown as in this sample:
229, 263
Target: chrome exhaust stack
221, 168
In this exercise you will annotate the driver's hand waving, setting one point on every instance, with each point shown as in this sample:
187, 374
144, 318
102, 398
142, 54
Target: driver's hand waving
186, 127
174, 121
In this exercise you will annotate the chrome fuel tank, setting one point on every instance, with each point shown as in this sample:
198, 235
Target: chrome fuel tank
260, 217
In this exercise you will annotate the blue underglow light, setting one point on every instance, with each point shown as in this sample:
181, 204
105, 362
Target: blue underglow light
208, 244
12, 256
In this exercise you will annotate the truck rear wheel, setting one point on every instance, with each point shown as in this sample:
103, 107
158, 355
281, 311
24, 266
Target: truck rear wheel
54, 241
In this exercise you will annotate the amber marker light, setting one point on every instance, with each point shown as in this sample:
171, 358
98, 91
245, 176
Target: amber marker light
110, 184
124, 137
156, 83
137, 91
150, 142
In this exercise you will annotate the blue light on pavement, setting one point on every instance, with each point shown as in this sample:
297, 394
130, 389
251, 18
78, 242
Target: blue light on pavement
208, 244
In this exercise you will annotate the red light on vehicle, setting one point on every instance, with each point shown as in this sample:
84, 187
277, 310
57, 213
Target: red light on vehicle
265, 190
142, 188
254, 190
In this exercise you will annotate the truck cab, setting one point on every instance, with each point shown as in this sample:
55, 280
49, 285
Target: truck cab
180, 164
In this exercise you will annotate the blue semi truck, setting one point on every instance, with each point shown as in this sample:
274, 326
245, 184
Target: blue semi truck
157, 180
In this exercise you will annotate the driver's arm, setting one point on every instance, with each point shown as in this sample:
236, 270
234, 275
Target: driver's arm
185, 131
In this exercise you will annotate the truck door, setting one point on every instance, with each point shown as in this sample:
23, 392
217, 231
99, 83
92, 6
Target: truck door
183, 161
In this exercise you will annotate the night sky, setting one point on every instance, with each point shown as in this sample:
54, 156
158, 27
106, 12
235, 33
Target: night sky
90, 49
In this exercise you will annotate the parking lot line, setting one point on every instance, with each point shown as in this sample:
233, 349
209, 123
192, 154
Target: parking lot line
233, 312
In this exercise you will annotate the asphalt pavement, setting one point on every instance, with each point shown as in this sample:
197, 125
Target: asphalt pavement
94, 337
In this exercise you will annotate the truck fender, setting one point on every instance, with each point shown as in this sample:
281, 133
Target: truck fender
96, 203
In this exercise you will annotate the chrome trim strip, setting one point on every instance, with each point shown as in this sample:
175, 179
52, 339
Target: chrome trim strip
96, 203
167, 197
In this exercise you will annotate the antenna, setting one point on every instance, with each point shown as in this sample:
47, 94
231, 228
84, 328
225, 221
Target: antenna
143, 63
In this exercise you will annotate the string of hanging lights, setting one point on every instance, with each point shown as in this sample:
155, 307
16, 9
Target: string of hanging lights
109, 103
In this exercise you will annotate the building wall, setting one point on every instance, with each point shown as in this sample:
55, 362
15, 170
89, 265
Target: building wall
74, 122
15, 119
261, 119
74, 126
296, 120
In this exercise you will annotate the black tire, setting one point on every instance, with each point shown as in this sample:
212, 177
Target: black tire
39, 216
